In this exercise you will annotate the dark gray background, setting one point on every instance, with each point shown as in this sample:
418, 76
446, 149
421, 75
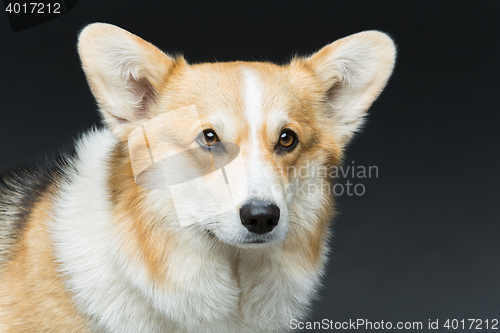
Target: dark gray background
422, 243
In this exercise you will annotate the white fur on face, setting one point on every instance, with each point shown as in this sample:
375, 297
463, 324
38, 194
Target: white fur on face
253, 99
261, 180
261, 177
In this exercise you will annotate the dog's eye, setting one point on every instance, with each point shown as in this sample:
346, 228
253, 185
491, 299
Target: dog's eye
288, 141
209, 138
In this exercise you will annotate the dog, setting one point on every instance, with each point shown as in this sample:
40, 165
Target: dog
94, 241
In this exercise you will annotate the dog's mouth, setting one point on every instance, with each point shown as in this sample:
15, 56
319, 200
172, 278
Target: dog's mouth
241, 242
255, 241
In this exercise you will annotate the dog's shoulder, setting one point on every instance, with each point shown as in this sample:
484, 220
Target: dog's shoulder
21, 187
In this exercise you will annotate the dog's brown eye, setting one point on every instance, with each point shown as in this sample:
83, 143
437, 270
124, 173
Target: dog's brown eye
288, 140
210, 137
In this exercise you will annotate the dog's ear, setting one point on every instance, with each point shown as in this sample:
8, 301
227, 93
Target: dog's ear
352, 72
124, 72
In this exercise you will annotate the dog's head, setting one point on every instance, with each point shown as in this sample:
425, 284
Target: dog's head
284, 123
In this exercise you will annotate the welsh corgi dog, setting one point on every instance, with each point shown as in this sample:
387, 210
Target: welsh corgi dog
220, 236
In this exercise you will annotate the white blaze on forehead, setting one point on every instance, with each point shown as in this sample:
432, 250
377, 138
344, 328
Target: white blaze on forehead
261, 177
253, 102
259, 180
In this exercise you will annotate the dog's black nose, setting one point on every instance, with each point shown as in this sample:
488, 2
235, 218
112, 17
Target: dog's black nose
260, 217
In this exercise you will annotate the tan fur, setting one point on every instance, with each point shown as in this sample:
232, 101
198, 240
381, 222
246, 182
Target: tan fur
142, 240
32, 292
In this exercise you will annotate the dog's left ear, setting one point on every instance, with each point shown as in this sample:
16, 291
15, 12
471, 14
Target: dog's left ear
352, 73
125, 74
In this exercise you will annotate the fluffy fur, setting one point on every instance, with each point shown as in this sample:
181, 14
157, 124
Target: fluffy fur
84, 249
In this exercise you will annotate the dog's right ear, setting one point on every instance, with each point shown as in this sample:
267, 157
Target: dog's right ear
351, 73
125, 74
